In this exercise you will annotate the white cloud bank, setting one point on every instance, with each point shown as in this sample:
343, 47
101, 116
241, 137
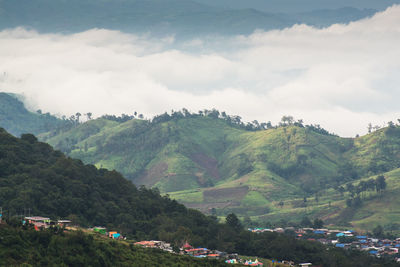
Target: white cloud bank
341, 77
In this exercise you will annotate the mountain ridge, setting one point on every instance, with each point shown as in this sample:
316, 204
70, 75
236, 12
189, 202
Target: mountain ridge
181, 18
218, 164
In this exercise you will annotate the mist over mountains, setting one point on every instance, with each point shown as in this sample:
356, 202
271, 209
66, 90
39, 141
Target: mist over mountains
342, 72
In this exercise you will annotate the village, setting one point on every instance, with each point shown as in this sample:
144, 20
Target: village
348, 239
40, 223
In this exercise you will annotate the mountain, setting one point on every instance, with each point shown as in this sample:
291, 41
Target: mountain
327, 17
33, 175
18, 120
182, 18
303, 6
217, 165
207, 162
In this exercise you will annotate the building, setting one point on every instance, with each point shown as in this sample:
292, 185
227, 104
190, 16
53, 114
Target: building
39, 222
64, 223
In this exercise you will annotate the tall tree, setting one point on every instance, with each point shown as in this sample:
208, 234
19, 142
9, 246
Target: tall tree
233, 221
380, 183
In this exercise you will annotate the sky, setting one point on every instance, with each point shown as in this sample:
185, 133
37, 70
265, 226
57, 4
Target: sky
341, 77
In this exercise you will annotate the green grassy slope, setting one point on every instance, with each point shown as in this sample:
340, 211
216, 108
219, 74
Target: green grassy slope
206, 163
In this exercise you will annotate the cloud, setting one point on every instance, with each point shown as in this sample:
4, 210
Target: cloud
341, 77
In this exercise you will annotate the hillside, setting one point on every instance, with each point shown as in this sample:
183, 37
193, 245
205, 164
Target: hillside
207, 162
33, 175
18, 120
27, 247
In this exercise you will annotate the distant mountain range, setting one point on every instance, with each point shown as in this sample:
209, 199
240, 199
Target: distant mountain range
182, 18
298, 6
215, 163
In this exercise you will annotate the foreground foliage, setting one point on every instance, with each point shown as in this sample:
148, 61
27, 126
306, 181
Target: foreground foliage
49, 248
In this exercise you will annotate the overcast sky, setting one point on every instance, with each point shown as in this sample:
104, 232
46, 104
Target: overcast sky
341, 77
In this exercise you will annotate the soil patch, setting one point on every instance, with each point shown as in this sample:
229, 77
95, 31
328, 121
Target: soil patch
153, 175
224, 194
208, 163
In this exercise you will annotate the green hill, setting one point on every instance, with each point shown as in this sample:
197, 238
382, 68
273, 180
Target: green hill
18, 120
210, 161
33, 175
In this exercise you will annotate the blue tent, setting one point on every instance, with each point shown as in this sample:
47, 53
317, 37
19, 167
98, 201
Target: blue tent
338, 245
319, 232
373, 252
339, 234
361, 237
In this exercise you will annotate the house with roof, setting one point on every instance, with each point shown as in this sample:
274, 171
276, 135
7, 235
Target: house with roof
64, 223
39, 222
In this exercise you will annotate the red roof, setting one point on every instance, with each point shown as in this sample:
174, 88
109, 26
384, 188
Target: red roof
186, 245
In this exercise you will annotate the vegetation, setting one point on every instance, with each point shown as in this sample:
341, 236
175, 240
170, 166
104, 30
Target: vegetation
218, 164
213, 160
27, 247
34, 175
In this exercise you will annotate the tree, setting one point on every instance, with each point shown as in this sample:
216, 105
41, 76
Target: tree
318, 223
369, 127
287, 120
302, 159
233, 221
350, 187
213, 211
380, 183
89, 115
306, 222
378, 231
357, 202
78, 115
30, 138
281, 204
